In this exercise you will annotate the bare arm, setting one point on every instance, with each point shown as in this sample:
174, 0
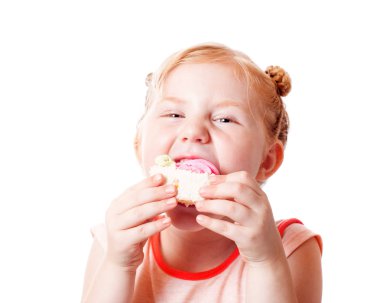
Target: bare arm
110, 274
105, 282
272, 278
270, 283
306, 270
298, 279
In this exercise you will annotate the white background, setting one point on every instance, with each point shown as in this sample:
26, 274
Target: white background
72, 89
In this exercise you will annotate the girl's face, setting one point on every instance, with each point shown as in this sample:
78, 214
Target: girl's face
203, 112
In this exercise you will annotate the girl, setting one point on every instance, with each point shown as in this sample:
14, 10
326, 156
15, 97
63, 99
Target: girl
208, 102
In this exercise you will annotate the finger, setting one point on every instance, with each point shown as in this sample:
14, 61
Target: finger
142, 232
227, 229
142, 213
240, 177
151, 181
144, 195
235, 191
232, 210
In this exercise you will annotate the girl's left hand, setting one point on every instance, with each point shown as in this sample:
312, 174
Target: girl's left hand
247, 217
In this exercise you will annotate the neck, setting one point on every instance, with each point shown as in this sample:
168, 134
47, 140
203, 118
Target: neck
178, 249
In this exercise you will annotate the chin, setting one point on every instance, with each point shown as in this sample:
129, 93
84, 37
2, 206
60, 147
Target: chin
183, 218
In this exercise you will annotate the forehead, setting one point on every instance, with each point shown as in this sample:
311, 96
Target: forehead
208, 79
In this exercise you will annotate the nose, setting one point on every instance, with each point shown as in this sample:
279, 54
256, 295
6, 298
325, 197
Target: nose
195, 131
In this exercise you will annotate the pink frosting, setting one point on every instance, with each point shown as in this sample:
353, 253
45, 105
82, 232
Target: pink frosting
198, 166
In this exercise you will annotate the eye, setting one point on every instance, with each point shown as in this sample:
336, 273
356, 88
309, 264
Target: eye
225, 120
173, 115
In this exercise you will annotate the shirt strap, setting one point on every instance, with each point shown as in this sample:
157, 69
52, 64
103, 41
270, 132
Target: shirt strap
285, 223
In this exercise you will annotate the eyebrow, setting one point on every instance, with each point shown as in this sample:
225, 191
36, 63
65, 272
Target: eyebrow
172, 100
231, 103
224, 103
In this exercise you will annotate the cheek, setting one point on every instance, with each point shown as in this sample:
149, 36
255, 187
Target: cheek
153, 141
145, 146
239, 157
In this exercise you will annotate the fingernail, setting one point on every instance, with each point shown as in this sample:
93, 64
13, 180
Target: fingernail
200, 218
157, 177
171, 201
204, 190
170, 189
166, 221
212, 179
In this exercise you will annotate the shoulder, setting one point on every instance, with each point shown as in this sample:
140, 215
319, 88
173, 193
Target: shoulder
294, 234
303, 249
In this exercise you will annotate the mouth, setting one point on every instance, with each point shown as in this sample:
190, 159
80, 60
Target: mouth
186, 157
197, 161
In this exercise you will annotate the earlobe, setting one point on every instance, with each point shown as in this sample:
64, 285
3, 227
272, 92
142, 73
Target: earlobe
271, 162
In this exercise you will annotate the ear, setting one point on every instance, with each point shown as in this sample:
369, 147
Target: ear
271, 162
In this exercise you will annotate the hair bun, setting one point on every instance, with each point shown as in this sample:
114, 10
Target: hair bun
281, 78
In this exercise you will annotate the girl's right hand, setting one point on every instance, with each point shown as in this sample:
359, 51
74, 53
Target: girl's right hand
130, 220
